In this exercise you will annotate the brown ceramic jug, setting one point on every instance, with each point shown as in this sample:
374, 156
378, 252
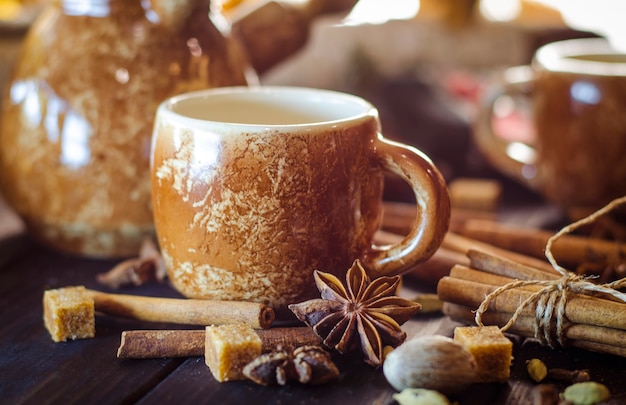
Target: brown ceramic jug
78, 113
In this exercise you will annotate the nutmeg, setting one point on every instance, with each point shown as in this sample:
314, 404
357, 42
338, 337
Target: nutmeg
431, 362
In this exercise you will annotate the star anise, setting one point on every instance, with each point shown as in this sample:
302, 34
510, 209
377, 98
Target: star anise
363, 313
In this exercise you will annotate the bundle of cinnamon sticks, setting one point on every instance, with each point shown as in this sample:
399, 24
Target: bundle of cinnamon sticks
482, 258
590, 322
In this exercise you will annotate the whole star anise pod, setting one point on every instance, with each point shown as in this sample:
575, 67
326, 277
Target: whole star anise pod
363, 313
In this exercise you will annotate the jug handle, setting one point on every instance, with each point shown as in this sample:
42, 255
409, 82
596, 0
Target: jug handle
275, 30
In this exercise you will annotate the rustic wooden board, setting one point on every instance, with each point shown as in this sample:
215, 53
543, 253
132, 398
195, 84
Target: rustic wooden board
358, 383
33, 369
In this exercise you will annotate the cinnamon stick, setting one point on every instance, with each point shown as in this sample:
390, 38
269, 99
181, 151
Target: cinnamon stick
569, 250
456, 249
437, 266
578, 309
150, 344
459, 243
288, 338
184, 311
495, 270
431, 271
470, 274
495, 280
590, 337
144, 344
399, 217
502, 266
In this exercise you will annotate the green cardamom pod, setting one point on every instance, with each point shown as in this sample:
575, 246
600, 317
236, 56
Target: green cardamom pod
537, 369
420, 396
586, 393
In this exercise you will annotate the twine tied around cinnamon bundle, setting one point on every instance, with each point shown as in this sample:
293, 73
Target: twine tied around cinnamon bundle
550, 300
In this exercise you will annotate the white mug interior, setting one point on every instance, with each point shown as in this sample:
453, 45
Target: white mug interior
591, 56
262, 107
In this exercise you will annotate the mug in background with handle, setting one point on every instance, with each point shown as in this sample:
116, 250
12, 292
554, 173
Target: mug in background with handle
577, 94
254, 188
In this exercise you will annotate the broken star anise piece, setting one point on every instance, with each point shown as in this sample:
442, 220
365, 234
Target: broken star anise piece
273, 368
306, 364
148, 267
363, 313
313, 365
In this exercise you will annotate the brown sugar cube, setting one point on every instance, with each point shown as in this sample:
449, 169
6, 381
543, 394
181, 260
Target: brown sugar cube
228, 348
69, 313
475, 194
492, 351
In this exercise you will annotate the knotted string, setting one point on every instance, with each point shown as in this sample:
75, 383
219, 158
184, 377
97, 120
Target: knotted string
550, 300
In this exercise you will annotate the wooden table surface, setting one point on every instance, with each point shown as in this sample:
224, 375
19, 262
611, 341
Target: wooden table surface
35, 370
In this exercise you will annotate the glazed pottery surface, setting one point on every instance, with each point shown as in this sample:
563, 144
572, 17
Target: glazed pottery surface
577, 93
78, 114
254, 188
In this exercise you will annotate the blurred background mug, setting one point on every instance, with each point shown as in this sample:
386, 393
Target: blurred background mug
572, 146
254, 188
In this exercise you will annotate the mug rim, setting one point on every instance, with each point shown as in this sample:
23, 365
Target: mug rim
364, 108
558, 57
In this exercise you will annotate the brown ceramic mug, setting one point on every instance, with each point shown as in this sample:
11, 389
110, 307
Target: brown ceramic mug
574, 151
254, 188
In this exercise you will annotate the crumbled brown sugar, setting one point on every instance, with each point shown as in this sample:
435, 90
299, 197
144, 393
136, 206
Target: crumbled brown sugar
492, 351
69, 314
229, 348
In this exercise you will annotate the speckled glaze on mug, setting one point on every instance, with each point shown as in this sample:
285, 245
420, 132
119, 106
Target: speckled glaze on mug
254, 188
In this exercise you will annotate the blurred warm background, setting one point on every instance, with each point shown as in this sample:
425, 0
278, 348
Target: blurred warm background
421, 62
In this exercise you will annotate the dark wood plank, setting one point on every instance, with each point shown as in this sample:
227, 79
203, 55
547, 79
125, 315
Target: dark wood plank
359, 383
193, 383
34, 369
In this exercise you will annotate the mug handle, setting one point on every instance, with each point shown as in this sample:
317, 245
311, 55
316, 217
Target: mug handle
433, 214
512, 157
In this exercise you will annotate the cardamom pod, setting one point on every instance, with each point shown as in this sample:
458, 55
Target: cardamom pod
420, 396
586, 393
536, 369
